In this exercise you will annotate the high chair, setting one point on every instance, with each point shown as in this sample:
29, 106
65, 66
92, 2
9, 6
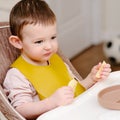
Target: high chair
7, 55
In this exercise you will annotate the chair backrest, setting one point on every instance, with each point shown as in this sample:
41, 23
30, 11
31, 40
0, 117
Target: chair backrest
7, 52
7, 55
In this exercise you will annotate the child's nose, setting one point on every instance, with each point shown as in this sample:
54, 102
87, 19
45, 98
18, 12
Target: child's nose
47, 45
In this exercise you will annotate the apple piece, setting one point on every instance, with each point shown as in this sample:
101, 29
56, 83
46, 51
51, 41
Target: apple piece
73, 83
100, 69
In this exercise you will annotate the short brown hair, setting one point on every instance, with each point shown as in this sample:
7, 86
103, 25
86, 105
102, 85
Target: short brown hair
30, 12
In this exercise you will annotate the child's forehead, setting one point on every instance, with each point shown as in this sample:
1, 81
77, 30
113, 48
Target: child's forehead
38, 30
38, 26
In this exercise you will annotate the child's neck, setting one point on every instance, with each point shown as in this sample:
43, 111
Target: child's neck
45, 63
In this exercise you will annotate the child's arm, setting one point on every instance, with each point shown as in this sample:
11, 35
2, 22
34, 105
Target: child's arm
62, 96
22, 96
98, 73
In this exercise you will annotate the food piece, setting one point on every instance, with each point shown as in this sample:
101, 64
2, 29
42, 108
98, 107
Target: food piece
73, 83
100, 69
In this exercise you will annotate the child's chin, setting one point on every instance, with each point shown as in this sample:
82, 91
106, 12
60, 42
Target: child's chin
47, 59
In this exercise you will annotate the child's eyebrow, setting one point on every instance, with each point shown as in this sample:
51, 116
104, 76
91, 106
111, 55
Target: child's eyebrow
41, 38
54, 34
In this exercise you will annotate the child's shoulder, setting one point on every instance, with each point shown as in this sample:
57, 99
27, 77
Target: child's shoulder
14, 75
13, 71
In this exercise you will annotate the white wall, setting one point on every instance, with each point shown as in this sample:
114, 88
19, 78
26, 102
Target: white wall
76, 31
111, 18
5, 7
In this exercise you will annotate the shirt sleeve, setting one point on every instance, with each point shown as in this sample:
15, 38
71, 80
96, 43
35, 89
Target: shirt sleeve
18, 89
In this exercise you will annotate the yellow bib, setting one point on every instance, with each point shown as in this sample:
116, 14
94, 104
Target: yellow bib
46, 79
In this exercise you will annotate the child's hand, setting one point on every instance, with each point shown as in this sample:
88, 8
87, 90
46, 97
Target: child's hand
63, 96
100, 71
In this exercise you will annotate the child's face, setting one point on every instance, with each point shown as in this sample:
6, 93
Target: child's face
39, 43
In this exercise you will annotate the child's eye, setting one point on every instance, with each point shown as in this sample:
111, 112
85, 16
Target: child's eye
39, 41
53, 37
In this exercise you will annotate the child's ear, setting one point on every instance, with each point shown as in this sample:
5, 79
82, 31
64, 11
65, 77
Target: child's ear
15, 41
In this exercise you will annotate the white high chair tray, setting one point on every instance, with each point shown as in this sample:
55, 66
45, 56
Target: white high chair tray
86, 106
